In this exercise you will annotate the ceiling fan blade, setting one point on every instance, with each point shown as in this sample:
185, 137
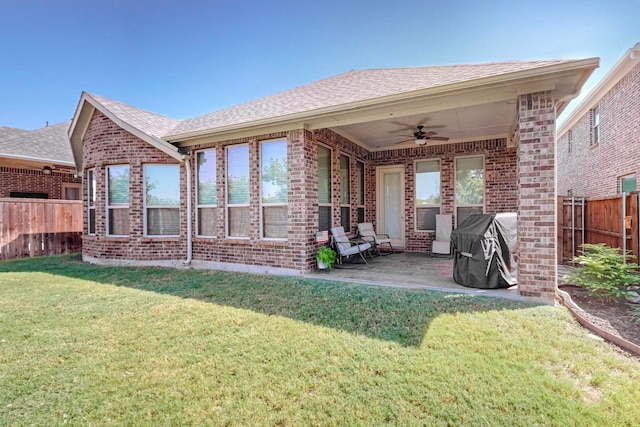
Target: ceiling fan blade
428, 134
402, 142
438, 138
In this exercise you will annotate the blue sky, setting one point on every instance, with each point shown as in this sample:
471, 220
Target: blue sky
186, 58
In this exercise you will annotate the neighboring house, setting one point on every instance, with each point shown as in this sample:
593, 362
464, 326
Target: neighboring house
38, 163
599, 142
249, 187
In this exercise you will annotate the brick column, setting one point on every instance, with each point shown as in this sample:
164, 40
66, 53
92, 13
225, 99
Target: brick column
537, 195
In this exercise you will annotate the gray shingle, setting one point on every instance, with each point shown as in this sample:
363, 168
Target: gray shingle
148, 122
49, 144
353, 86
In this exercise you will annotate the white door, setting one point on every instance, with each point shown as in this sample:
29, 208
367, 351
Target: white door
390, 212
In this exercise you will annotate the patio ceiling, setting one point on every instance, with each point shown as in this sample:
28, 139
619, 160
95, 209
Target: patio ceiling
475, 110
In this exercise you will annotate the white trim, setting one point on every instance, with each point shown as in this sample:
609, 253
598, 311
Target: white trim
108, 206
324, 204
226, 191
89, 199
145, 207
415, 193
362, 206
198, 205
327, 117
80, 122
380, 171
279, 204
628, 60
484, 185
345, 205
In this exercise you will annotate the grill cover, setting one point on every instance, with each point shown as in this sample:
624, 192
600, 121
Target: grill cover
482, 245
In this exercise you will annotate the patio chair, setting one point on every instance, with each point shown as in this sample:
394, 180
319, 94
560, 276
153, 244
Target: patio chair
441, 239
368, 233
347, 248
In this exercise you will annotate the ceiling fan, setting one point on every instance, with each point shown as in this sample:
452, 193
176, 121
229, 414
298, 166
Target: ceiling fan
421, 138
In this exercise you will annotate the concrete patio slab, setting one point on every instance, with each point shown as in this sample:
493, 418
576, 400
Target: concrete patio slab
413, 270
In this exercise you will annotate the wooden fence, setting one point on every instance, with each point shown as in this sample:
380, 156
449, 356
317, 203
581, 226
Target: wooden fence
38, 227
597, 221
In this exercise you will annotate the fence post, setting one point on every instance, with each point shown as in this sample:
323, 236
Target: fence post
624, 227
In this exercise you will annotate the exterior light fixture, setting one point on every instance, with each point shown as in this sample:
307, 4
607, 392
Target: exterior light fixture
46, 170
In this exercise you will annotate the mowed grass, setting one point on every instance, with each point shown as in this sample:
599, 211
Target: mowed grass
90, 345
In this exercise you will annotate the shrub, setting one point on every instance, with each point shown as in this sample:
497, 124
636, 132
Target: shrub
603, 271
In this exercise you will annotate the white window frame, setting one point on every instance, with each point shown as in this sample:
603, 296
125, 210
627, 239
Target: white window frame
108, 206
631, 175
346, 205
415, 194
278, 204
228, 206
330, 204
484, 185
91, 200
205, 206
570, 141
596, 137
362, 185
145, 207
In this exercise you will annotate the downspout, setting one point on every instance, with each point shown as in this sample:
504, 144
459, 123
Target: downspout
187, 164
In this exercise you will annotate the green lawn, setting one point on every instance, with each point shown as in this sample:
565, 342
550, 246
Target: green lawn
89, 345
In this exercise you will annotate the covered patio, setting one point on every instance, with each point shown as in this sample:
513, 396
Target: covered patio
412, 270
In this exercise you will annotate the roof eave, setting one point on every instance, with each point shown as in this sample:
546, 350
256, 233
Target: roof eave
628, 60
80, 122
585, 66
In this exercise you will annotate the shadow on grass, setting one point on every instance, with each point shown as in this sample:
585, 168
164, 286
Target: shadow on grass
398, 315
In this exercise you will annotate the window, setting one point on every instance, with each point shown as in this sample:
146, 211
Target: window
207, 193
118, 200
596, 126
469, 187
238, 212
275, 189
569, 140
91, 198
71, 191
427, 194
628, 184
360, 190
345, 192
324, 189
162, 200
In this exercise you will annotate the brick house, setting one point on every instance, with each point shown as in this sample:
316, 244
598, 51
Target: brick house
248, 187
599, 142
38, 163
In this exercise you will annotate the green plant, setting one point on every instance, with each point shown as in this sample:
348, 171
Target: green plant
326, 256
604, 271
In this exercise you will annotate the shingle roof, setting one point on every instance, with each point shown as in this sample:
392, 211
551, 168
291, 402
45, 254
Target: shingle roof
353, 86
6, 131
48, 144
146, 121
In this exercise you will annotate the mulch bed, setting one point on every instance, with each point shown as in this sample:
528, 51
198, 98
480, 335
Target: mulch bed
613, 317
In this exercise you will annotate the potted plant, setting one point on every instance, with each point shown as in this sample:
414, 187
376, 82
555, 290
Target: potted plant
326, 258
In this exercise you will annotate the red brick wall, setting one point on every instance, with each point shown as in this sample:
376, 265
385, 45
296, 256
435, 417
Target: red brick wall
24, 179
107, 144
595, 171
298, 252
536, 196
500, 180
